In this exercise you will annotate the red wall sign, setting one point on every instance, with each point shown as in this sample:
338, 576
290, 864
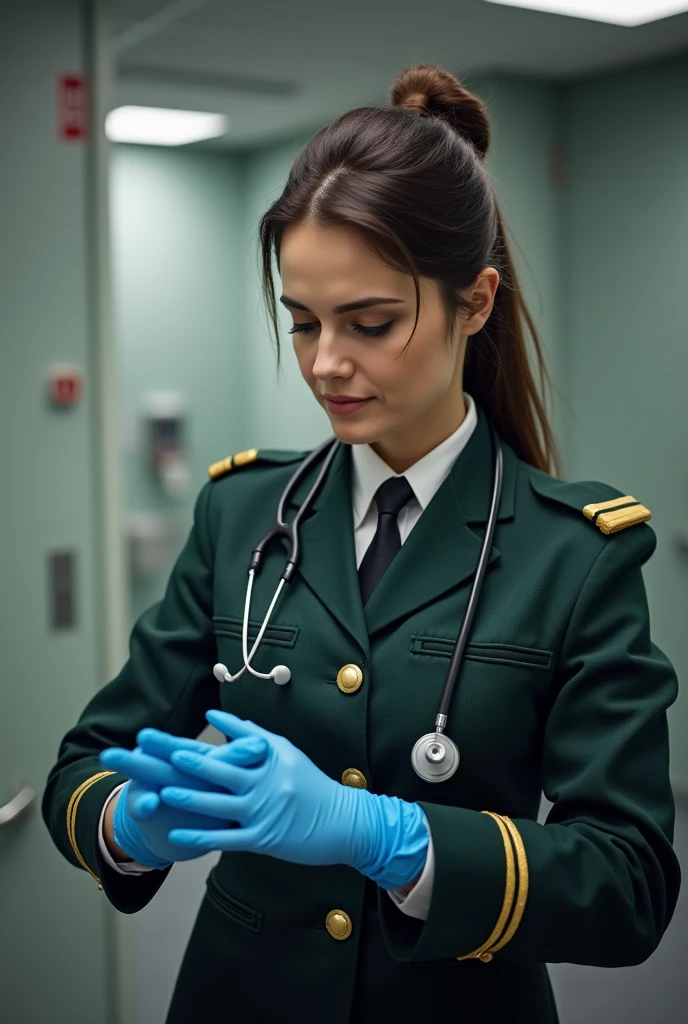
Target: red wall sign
65, 385
72, 108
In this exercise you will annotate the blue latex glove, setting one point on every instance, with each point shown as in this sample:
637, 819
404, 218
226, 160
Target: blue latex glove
288, 808
141, 823
150, 765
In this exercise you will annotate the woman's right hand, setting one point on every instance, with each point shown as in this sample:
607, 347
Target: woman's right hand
141, 822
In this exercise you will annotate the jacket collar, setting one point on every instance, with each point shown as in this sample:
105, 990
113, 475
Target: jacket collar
424, 476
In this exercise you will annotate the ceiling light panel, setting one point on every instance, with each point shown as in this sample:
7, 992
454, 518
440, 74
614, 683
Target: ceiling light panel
615, 12
160, 126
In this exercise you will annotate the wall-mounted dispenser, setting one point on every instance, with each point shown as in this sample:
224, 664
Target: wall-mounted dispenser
165, 414
155, 540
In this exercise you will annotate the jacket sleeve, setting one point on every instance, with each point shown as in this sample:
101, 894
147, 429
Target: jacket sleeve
599, 880
167, 683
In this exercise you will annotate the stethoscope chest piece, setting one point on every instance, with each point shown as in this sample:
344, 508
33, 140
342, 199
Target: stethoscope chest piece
435, 757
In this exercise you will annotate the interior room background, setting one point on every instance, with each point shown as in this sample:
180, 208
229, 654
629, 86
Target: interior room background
591, 177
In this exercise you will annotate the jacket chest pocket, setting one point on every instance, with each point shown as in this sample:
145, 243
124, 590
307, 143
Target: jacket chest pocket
231, 628
500, 703
493, 653
239, 697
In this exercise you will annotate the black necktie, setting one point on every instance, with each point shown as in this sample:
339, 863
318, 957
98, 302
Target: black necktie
390, 498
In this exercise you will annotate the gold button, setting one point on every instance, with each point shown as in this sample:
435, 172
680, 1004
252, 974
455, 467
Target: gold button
338, 924
352, 777
349, 678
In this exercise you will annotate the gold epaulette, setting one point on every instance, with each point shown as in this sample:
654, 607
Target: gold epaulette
224, 466
71, 819
617, 514
514, 902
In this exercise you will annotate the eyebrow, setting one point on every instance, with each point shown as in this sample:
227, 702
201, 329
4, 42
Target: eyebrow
346, 307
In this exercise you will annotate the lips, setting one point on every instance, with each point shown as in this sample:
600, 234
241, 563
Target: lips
344, 405
344, 398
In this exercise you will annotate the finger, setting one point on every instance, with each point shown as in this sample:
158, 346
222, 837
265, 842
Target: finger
232, 777
248, 751
235, 727
143, 805
214, 805
138, 765
152, 771
236, 839
161, 744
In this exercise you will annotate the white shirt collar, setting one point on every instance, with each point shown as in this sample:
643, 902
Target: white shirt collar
424, 476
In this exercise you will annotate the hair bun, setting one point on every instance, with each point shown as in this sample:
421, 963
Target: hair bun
432, 90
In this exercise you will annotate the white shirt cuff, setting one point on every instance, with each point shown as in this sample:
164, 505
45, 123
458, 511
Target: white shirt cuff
129, 867
417, 902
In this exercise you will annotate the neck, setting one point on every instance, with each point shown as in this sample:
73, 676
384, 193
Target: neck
405, 447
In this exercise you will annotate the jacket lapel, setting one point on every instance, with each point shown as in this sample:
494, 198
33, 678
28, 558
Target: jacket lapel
328, 553
441, 552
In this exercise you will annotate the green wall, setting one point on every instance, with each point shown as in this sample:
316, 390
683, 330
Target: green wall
54, 949
625, 342
177, 257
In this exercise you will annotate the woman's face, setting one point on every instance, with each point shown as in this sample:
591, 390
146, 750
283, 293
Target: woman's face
402, 400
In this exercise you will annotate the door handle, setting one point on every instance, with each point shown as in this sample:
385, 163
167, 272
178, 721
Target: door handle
17, 805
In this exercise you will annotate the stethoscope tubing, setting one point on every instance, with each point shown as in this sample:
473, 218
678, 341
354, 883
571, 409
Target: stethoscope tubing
279, 527
474, 596
291, 530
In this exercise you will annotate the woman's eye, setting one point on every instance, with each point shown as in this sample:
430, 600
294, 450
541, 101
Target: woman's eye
374, 332
369, 332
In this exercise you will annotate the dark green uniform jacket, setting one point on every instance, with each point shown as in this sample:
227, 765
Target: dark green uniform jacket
561, 691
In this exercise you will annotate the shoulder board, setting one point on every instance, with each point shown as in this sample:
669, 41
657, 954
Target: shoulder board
608, 509
253, 456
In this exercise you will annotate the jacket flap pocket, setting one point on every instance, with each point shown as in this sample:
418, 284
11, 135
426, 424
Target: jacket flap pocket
250, 918
282, 636
499, 653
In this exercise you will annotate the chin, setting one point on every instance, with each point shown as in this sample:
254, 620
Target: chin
357, 433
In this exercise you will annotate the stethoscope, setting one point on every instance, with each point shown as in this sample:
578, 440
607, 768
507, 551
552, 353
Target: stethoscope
435, 756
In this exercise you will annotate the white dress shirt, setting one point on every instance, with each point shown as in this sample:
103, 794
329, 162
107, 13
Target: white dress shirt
369, 471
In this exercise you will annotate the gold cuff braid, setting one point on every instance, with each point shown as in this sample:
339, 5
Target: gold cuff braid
71, 818
522, 894
486, 949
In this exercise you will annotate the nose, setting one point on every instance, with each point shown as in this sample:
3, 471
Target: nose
331, 359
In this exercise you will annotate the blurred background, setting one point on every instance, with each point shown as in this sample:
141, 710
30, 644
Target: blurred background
134, 352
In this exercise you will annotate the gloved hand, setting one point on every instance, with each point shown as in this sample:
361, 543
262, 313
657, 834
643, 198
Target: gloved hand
140, 821
288, 808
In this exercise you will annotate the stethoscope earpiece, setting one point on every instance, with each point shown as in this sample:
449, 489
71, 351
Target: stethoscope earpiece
280, 674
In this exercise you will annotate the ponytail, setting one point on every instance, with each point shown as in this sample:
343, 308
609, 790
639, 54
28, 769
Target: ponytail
498, 371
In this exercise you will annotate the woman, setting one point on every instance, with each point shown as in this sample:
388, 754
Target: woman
350, 884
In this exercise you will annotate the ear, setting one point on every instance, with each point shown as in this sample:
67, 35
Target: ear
481, 295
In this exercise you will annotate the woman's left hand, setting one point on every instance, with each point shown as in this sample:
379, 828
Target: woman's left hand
285, 806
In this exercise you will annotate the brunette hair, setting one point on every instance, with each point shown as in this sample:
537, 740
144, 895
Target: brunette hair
410, 178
